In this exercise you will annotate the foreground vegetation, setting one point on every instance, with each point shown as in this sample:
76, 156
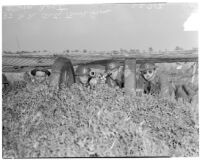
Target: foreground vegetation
79, 122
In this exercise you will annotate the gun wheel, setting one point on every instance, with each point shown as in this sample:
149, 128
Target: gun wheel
62, 73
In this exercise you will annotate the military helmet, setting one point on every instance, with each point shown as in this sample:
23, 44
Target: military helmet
40, 72
147, 66
112, 65
83, 70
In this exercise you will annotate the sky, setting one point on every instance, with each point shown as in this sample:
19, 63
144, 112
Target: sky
98, 27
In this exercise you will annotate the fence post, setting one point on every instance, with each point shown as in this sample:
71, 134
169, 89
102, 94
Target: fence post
130, 76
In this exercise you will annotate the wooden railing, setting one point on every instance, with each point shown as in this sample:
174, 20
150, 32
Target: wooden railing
22, 62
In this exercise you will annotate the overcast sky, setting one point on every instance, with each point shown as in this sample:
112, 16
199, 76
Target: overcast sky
98, 27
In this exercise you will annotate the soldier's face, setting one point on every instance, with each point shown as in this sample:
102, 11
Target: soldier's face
40, 78
148, 74
114, 73
84, 79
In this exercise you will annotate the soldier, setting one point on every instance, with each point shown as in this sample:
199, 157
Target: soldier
155, 83
40, 75
115, 75
186, 92
83, 75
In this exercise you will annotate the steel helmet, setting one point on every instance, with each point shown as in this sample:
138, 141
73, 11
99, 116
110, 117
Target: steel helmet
83, 70
40, 72
112, 65
147, 66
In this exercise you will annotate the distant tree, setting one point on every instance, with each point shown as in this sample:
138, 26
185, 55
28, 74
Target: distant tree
132, 50
137, 51
194, 48
115, 52
85, 51
121, 50
150, 49
67, 50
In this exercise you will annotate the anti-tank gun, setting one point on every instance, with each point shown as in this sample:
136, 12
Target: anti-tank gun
98, 78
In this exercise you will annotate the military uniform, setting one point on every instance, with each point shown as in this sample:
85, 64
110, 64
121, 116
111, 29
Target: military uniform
40, 75
114, 83
186, 92
158, 83
159, 86
118, 80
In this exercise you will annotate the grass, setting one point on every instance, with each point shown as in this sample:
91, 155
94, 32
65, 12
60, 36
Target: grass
79, 122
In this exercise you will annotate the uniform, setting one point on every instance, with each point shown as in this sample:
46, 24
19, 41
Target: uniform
115, 76
40, 75
114, 83
156, 83
186, 92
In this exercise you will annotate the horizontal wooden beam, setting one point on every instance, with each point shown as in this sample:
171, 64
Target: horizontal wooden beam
21, 62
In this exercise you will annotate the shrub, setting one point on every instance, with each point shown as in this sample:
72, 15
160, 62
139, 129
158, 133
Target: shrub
79, 122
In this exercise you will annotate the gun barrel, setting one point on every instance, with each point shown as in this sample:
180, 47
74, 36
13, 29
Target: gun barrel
92, 73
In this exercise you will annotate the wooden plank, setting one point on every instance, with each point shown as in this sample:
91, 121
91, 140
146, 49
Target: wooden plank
130, 76
32, 60
16, 69
21, 61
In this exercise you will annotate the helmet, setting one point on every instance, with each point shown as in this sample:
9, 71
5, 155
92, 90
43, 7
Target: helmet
83, 70
38, 71
147, 66
112, 65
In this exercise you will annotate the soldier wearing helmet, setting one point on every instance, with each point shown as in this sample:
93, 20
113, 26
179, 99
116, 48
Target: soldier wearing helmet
40, 75
83, 75
115, 74
155, 83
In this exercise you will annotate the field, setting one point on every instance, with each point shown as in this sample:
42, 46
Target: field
104, 122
